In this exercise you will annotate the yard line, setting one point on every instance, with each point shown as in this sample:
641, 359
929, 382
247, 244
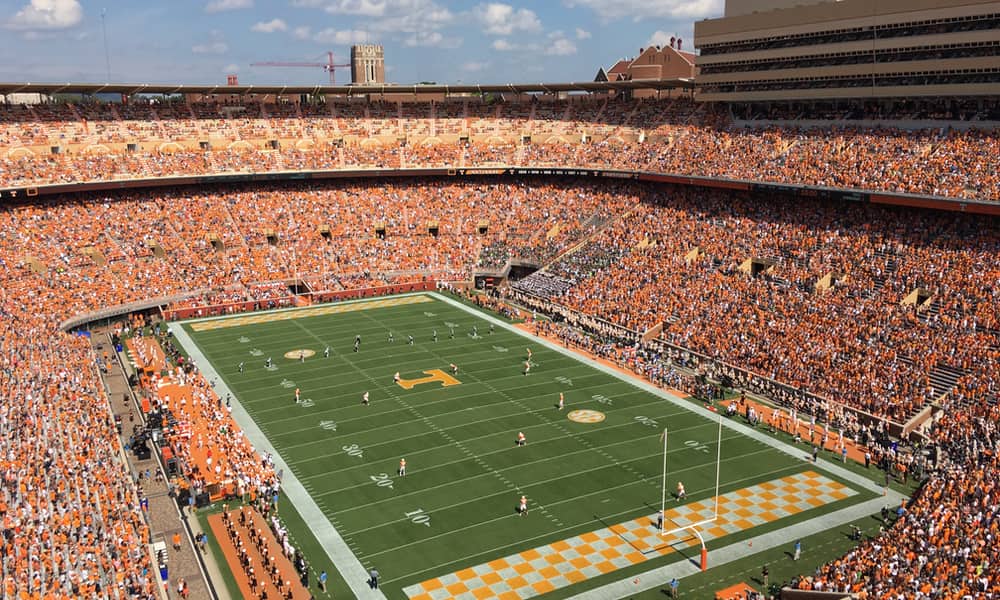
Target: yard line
493, 418
550, 479
517, 466
507, 449
430, 390
587, 372
621, 408
327, 328
492, 551
381, 359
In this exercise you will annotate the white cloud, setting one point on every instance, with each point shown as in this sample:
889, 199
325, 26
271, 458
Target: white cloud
223, 5
475, 67
639, 10
660, 38
270, 26
502, 45
504, 19
366, 8
561, 47
582, 34
47, 14
231, 69
415, 22
407, 16
216, 47
339, 37
301, 33
431, 39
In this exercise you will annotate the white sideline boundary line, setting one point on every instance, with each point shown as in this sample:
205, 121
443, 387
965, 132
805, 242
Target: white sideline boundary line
338, 551
793, 451
354, 572
658, 576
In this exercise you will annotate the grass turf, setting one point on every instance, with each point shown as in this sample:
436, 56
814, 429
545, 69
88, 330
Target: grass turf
455, 507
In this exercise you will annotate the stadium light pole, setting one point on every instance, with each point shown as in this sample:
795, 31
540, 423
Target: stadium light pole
107, 55
663, 488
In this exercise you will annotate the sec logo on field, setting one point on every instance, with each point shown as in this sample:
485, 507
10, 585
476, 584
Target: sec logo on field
586, 416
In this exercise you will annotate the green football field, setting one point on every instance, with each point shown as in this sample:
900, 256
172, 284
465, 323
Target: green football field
455, 507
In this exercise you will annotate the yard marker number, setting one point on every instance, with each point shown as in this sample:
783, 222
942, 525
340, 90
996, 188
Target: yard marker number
646, 421
561, 379
602, 399
381, 480
328, 425
696, 446
418, 517
354, 450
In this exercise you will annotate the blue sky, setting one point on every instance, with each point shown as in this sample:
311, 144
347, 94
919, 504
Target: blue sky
200, 41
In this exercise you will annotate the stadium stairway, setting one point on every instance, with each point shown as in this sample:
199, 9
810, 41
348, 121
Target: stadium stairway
943, 378
162, 513
891, 265
599, 225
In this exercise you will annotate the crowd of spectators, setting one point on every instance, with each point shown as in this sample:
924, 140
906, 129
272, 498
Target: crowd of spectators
110, 250
685, 261
672, 135
647, 257
941, 545
71, 515
72, 522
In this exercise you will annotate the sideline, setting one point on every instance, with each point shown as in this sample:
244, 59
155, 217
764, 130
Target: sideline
350, 568
354, 572
656, 578
764, 438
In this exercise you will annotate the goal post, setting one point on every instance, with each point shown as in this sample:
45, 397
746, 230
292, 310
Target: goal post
693, 527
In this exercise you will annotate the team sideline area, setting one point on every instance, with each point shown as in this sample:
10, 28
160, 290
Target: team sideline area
527, 470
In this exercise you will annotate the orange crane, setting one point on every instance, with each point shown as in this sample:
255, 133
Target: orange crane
329, 66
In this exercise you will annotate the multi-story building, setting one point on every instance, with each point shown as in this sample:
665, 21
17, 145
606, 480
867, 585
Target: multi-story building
763, 50
367, 64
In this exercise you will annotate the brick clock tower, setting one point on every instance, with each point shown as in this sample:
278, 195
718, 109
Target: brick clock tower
367, 64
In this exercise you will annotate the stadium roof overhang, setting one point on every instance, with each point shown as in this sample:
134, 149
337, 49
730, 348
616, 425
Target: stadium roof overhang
342, 90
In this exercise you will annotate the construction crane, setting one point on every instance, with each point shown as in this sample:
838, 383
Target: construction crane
329, 66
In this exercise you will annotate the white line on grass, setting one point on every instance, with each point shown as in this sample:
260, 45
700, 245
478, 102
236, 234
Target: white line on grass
623, 409
633, 482
412, 393
435, 448
478, 460
551, 534
780, 445
636, 383
340, 555
270, 381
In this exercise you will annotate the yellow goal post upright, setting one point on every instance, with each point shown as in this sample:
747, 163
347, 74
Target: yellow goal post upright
692, 527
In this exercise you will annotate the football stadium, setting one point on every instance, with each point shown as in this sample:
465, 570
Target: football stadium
722, 323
